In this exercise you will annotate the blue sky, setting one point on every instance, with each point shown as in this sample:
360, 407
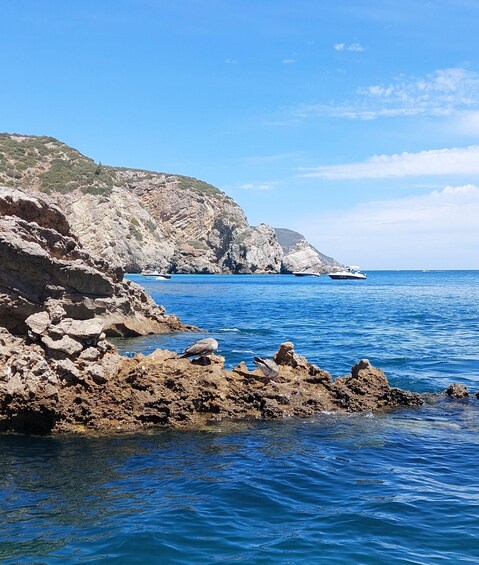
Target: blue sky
353, 122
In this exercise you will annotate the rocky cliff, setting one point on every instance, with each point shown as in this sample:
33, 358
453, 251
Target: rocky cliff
45, 272
137, 220
300, 255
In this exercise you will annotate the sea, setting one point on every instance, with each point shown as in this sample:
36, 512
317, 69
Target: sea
400, 487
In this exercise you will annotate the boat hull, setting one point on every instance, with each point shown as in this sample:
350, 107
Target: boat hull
346, 277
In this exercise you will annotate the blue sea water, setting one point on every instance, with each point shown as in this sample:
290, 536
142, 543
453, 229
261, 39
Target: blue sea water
400, 487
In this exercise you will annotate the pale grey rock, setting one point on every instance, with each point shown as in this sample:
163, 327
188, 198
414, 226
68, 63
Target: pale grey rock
55, 310
118, 229
97, 373
66, 345
90, 354
256, 250
50, 390
38, 323
15, 386
66, 368
81, 329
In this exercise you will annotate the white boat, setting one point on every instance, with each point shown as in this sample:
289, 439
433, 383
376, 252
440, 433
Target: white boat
349, 273
157, 275
306, 274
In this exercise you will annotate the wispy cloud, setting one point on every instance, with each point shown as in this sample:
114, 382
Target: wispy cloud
288, 61
467, 123
457, 160
273, 159
355, 47
229, 61
434, 230
445, 92
259, 185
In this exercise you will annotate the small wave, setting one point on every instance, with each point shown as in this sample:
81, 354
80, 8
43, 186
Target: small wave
242, 351
229, 330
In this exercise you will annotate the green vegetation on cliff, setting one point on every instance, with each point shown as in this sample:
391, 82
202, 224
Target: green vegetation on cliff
50, 166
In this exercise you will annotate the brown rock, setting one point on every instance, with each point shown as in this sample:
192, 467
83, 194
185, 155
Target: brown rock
457, 390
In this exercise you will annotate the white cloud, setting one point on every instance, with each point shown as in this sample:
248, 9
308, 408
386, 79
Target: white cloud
443, 93
355, 47
288, 61
457, 160
230, 61
435, 230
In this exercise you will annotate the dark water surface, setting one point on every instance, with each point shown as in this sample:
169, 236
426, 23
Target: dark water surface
394, 488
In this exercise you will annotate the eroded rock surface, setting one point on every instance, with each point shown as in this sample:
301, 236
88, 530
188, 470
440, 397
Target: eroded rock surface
44, 271
93, 388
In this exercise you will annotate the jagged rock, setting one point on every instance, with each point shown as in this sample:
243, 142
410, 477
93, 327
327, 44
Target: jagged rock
367, 388
66, 368
38, 323
255, 250
67, 345
114, 393
81, 329
97, 373
287, 356
46, 273
457, 390
90, 354
55, 310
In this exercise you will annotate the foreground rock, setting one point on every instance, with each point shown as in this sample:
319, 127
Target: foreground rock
46, 273
90, 387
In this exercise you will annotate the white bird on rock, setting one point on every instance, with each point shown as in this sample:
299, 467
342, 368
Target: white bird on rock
201, 348
268, 367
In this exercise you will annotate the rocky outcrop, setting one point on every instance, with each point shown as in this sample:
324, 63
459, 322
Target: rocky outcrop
255, 250
90, 387
59, 373
300, 256
44, 271
137, 220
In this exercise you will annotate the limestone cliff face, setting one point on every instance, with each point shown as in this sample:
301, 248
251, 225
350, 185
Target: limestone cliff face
300, 255
136, 220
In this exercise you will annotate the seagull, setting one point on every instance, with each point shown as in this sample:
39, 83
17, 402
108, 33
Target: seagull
268, 367
201, 348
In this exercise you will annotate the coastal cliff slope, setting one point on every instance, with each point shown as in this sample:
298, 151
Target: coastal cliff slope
137, 220
300, 255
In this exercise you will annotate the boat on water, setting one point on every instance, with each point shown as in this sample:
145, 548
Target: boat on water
349, 273
156, 275
306, 274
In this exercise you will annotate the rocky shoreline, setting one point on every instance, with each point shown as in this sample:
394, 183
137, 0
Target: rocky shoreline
60, 374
